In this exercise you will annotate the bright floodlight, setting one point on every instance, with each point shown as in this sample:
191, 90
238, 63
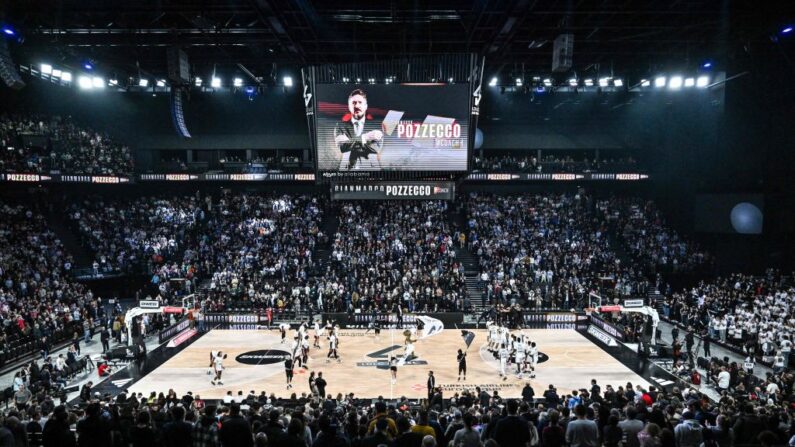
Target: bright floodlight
237, 82
84, 82
450, 80
8, 31
98, 82
46, 69
689, 82
707, 64
518, 82
645, 83
66, 76
675, 82
288, 81
589, 82
143, 82
493, 82
56, 73
618, 82
113, 82
603, 82
161, 83
659, 81
573, 82
215, 82
786, 30
702, 81
548, 82
198, 82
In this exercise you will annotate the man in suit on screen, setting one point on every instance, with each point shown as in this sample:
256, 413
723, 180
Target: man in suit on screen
358, 136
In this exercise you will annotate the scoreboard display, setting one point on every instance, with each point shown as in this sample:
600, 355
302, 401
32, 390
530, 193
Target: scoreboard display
392, 127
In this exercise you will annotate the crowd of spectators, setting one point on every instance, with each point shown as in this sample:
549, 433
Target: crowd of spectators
44, 144
753, 314
553, 163
650, 241
624, 415
394, 253
546, 251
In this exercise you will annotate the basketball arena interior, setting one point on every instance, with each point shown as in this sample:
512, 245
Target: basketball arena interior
304, 223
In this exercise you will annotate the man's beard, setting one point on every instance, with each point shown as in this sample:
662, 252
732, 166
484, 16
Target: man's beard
358, 115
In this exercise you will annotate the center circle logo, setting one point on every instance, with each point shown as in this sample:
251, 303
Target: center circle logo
542, 357
262, 357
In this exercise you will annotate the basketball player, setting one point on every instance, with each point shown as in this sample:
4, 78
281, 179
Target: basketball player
288, 371
332, 347
218, 366
462, 364
533, 354
393, 363
317, 335
520, 357
296, 350
283, 328
503, 354
305, 352
212, 362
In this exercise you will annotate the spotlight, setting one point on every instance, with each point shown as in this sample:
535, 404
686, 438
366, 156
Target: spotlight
518, 82
573, 82
215, 82
113, 82
450, 80
8, 31
603, 82
237, 82
645, 83
84, 82
702, 81
66, 76
56, 73
675, 83
493, 82
618, 82
143, 82
707, 64
371, 81
659, 81
786, 30
358, 80
197, 82
46, 69
161, 83
589, 82
548, 82
288, 81
689, 82
98, 82
88, 66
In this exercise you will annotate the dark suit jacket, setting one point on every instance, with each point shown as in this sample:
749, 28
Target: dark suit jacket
354, 145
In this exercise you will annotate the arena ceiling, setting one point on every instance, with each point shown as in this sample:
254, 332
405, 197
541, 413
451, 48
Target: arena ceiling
513, 34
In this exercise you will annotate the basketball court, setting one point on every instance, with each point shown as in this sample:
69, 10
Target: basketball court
255, 362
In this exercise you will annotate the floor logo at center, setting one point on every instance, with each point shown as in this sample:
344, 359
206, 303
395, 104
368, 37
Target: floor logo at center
381, 358
262, 357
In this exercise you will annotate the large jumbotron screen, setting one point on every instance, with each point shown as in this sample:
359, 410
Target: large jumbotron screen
406, 127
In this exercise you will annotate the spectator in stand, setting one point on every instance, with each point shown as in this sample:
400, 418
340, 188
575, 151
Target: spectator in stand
582, 432
235, 430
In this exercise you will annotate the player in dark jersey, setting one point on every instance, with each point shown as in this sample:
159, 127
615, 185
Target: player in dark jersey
288, 371
462, 364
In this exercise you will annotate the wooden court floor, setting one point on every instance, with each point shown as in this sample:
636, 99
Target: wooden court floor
255, 363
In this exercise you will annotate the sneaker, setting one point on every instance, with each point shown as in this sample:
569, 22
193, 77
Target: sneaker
220, 383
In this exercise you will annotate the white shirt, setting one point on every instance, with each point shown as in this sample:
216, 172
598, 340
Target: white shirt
723, 379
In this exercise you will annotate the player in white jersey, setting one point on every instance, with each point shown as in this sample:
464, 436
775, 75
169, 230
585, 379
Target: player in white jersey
218, 367
212, 362
533, 355
332, 347
305, 351
520, 357
295, 348
503, 355
492, 336
318, 331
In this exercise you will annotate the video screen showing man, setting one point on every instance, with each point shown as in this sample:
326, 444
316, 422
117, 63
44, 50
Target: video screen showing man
358, 137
